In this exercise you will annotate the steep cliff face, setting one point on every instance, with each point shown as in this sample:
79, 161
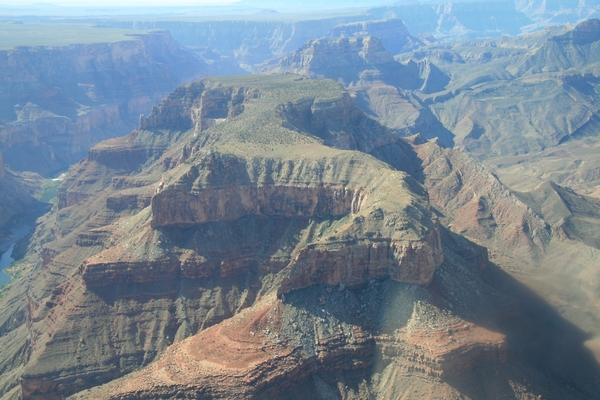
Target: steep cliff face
234, 202
276, 348
250, 42
16, 198
61, 101
15, 202
289, 347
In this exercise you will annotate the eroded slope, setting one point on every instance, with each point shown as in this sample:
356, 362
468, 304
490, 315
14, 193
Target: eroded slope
227, 191
269, 217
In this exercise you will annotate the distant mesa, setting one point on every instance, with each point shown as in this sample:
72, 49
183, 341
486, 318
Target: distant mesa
382, 86
359, 61
393, 34
587, 31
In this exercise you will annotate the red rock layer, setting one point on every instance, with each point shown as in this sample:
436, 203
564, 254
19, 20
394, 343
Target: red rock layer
444, 352
240, 358
229, 203
412, 262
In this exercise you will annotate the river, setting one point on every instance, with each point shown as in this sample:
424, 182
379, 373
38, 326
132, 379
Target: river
25, 226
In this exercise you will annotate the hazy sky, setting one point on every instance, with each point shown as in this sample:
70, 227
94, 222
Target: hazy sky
96, 3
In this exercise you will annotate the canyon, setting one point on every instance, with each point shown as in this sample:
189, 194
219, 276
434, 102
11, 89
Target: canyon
58, 102
353, 222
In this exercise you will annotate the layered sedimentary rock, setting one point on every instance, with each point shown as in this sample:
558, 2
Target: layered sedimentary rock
211, 206
277, 346
280, 252
546, 74
384, 258
479, 206
234, 202
574, 49
353, 60
250, 42
16, 198
256, 354
458, 21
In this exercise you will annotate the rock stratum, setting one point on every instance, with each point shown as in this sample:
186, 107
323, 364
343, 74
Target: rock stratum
261, 236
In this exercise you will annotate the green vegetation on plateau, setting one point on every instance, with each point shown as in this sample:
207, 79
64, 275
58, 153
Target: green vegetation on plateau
62, 34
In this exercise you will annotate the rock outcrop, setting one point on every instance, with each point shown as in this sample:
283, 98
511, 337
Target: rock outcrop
382, 87
577, 48
180, 201
255, 354
476, 204
351, 265
250, 42
458, 21
16, 198
176, 208
564, 61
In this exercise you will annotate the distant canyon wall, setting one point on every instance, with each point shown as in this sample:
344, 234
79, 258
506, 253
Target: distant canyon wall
57, 102
255, 41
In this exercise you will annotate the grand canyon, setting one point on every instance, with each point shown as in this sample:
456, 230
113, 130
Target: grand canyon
326, 201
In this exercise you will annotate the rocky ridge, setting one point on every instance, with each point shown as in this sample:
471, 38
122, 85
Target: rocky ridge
311, 210
547, 74
318, 266
382, 87
477, 205
16, 198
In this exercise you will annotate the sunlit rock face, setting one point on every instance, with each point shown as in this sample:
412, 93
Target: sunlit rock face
380, 86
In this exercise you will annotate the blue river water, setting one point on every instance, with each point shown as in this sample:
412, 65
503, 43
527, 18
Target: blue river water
19, 231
